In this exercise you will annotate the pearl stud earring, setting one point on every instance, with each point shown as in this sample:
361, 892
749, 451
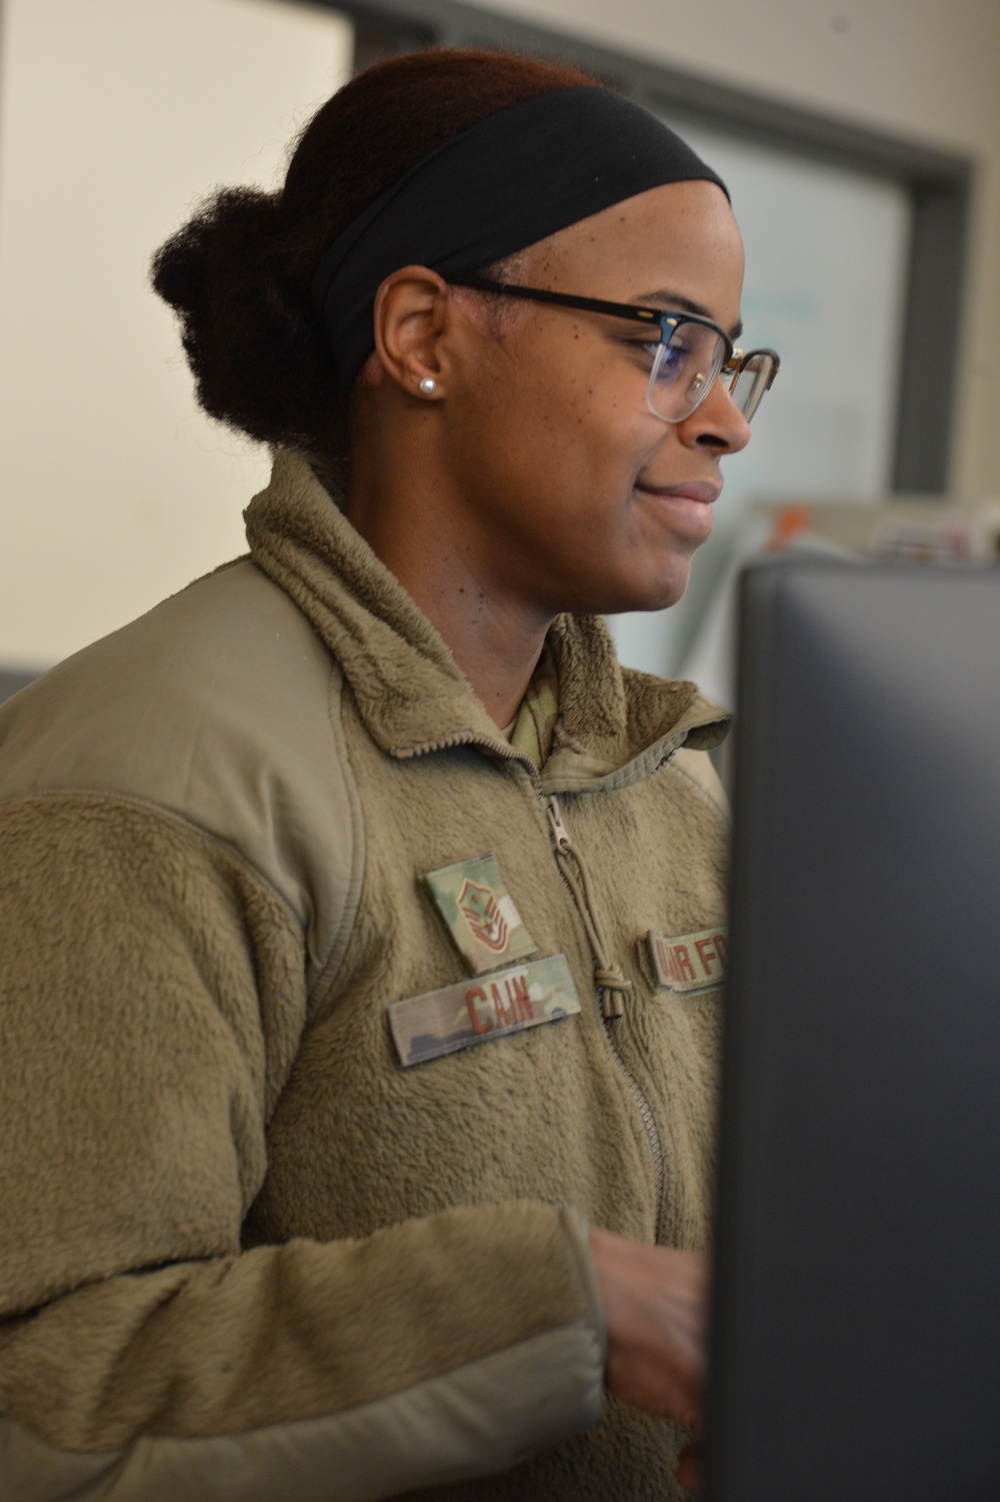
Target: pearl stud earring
428, 386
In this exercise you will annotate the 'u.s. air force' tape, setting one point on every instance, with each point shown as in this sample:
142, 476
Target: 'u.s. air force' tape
476, 1011
689, 963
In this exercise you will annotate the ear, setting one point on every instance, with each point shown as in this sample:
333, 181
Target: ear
412, 314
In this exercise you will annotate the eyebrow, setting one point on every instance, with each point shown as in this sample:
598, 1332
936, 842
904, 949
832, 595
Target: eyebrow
673, 300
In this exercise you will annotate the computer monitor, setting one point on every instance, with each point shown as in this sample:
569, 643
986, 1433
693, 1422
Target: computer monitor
856, 1325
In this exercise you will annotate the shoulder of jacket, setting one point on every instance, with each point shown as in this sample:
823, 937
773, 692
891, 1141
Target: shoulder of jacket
220, 706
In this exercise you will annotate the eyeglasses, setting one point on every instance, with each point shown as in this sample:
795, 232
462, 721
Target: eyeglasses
691, 352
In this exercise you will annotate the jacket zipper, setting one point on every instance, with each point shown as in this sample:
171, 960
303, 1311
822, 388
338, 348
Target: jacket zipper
608, 977
579, 889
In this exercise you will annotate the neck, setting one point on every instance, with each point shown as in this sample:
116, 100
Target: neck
416, 525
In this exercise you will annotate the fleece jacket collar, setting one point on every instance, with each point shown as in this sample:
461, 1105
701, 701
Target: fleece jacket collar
412, 698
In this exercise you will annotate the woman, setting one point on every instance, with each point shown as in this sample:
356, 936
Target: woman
364, 917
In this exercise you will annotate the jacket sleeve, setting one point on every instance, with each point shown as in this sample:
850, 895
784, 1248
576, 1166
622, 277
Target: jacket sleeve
152, 1002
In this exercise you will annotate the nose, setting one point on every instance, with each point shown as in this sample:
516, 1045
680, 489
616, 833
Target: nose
718, 424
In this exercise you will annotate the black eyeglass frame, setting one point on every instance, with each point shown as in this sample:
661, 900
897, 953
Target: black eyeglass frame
736, 360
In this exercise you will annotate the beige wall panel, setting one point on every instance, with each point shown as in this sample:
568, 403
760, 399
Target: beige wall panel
927, 67
115, 117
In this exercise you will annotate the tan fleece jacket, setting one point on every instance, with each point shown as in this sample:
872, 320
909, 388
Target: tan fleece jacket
247, 1255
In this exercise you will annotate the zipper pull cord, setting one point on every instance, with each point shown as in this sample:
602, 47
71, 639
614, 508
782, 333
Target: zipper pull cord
608, 975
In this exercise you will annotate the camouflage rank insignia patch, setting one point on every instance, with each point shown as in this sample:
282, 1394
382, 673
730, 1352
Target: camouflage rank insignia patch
479, 914
693, 962
476, 1011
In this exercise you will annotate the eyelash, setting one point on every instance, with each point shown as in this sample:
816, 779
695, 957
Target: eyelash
648, 346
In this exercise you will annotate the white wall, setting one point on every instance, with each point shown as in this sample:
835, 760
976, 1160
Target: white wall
116, 116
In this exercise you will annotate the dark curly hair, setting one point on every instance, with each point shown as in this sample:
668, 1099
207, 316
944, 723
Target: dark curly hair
238, 273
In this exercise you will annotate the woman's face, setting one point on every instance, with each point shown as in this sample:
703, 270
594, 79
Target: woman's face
574, 496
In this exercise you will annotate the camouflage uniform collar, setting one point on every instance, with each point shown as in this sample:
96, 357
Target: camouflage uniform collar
408, 689
534, 726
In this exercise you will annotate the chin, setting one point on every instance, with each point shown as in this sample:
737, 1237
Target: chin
657, 594
627, 588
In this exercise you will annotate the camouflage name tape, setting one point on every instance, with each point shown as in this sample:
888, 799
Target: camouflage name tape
692, 962
476, 1011
479, 914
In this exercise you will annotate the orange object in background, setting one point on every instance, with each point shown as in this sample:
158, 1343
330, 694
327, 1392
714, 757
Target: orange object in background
788, 524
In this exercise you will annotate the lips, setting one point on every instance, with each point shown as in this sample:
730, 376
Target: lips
705, 491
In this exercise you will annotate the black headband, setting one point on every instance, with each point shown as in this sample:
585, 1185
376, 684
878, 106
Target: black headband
517, 176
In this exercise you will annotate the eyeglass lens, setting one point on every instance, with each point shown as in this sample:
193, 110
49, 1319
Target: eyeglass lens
752, 381
684, 369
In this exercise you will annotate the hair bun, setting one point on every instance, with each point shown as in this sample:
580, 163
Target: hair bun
248, 331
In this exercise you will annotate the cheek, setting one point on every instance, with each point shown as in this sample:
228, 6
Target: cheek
580, 417
553, 437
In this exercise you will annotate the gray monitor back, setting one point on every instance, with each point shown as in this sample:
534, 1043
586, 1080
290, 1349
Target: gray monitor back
856, 1328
